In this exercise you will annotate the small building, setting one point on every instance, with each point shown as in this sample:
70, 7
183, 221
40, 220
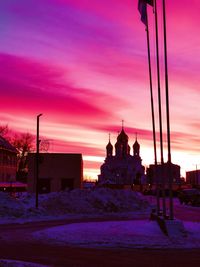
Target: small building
8, 161
122, 169
162, 173
193, 178
57, 171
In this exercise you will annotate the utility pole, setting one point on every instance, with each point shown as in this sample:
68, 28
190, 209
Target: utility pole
37, 162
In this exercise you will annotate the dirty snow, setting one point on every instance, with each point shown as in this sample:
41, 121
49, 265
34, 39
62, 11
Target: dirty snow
136, 233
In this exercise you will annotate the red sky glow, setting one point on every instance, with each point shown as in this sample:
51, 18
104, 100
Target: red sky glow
83, 64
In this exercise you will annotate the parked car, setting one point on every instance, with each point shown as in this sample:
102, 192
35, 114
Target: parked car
190, 196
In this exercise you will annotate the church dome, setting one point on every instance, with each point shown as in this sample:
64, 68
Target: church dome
136, 148
122, 137
109, 146
136, 145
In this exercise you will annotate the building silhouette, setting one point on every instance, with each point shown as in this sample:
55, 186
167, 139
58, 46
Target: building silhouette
122, 168
193, 178
8, 161
57, 171
160, 173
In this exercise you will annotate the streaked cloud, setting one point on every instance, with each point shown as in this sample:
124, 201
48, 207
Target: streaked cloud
84, 65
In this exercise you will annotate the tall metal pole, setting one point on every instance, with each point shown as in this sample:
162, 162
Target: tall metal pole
152, 107
158, 80
167, 113
151, 94
37, 162
160, 110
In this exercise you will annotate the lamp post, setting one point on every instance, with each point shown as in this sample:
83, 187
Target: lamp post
37, 161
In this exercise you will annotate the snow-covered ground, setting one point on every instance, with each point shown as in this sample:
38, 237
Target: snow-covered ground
71, 204
95, 203
136, 233
13, 263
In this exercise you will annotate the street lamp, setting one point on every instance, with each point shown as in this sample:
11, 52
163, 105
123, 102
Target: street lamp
37, 161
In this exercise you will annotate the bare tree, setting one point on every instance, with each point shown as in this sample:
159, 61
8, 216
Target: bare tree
44, 145
4, 130
23, 142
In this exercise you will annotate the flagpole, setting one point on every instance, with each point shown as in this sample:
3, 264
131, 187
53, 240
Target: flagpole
142, 7
167, 113
160, 109
152, 106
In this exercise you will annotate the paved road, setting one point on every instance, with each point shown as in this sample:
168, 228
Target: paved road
187, 213
182, 212
63, 256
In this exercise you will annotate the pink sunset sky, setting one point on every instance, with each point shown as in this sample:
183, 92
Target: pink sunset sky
83, 64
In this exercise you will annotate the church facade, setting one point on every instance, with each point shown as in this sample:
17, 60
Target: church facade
122, 168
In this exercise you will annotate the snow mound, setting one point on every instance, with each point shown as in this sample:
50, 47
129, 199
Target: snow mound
11, 207
97, 200
124, 234
12, 263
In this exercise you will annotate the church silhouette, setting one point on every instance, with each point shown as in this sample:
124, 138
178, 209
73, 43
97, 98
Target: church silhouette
122, 168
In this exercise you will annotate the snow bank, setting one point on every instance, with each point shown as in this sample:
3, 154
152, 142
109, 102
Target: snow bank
11, 207
133, 234
77, 201
97, 200
12, 263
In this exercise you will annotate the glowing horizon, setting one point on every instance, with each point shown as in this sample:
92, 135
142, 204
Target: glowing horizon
84, 66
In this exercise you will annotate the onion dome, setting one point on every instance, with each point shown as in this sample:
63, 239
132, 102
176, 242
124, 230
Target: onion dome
136, 148
122, 137
109, 145
109, 148
121, 146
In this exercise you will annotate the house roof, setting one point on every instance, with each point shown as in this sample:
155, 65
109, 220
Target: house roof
4, 144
